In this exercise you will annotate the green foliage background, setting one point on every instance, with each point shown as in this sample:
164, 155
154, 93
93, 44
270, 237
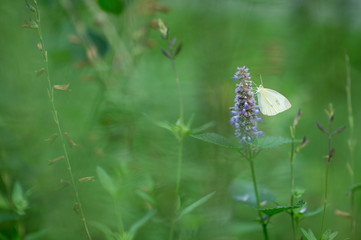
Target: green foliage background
297, 46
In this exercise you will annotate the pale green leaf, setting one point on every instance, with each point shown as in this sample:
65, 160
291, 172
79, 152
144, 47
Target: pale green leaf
106, 181
243, 192
19, 199
271, 142
134, 228
309, 235
196, 204
216, 139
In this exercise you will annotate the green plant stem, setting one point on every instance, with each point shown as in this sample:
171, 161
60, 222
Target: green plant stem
351, 145
292, 163
326, 181
57, 122
180, 99
264, 225
180, 136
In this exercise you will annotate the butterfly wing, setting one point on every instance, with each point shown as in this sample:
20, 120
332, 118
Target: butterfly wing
271, 102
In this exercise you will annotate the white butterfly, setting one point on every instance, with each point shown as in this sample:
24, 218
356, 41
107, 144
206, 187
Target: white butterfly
271, 102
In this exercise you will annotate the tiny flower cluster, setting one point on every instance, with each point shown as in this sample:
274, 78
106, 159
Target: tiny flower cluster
245, 111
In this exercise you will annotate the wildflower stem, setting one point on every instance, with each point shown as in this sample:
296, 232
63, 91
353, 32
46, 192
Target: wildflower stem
329, 156
180, 135
351, 145
292, 163
57, 122
264, 225
180, 100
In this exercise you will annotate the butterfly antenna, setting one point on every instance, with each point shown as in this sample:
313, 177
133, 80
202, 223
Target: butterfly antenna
260, 76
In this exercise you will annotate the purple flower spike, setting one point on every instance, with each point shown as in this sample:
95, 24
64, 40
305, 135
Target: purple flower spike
245, 111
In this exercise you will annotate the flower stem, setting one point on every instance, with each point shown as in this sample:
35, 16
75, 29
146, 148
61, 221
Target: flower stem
180, 137
326, 180
351, 145
264, 224
58, 125
292, 163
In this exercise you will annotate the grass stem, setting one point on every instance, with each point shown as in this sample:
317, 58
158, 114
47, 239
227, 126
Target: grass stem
58, 125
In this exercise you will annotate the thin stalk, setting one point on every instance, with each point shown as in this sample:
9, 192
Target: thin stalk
292, 163
264, 225
180, 99
57, 122
351, 146
326, 181
180, 136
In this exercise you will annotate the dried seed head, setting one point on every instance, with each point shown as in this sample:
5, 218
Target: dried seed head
40, 46
55, 160
62, 87
342, 214
73, 39
40, 71
52, 138
87, 179
70, 140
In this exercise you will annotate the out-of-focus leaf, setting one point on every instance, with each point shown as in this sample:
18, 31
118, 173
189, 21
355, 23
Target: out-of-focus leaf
271, 142
241, 228
109, 235
19, 199
196, 204
203, 127
3, 203
309, 235
216, 139
106, 181
4, 217
329, 235
111, 6
145, 196
312, 213
243, 192
36, 235
275, 210
134, 228
354, 187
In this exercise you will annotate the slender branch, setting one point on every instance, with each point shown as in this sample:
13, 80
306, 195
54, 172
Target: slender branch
351, 146
329, 156
58, 125
264, 225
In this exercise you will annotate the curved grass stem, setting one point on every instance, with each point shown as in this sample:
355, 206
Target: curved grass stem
58, 125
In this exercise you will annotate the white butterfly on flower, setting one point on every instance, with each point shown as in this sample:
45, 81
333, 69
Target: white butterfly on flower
271, 102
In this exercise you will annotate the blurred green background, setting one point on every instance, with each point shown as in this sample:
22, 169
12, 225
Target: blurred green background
297, 46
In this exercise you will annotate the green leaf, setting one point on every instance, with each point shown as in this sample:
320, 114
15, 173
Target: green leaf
111, 6
106, 181
134, 228
309, 235
145, 196
243, 192
37, 235
271, 142
19, 199
109, 235
272, 211
5, 217
215, 139
329, 235
3, 203
196, 204
203, 127
313, 213
354, 187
